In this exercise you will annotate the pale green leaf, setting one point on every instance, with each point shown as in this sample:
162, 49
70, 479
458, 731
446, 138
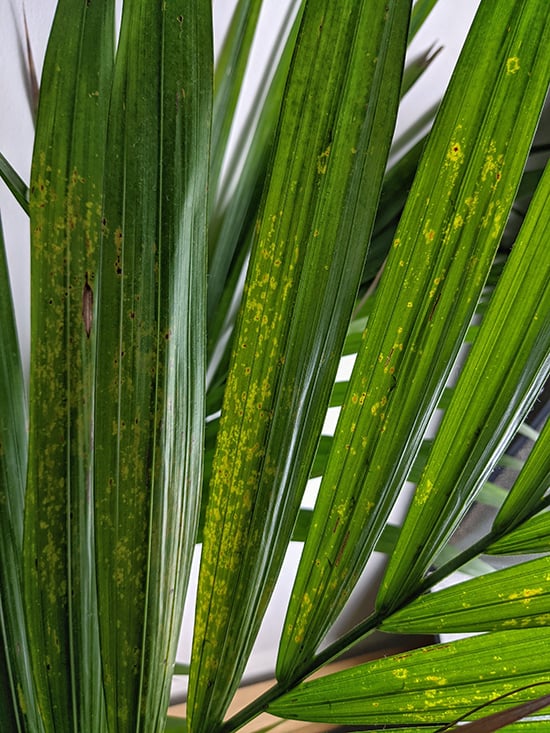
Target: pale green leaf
432, 686
513, 598
306, 264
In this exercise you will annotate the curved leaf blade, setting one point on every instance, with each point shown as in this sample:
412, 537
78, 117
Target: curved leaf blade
305, 269
434, 275
530, 486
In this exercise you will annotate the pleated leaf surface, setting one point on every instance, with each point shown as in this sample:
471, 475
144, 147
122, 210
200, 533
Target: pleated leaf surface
149, 418
515, 597
440, 258
65, 218
312, 235
435, 685
504, 372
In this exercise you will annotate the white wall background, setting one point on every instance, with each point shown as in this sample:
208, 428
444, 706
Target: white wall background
447, 26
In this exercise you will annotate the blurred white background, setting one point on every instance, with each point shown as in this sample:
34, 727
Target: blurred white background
447, 26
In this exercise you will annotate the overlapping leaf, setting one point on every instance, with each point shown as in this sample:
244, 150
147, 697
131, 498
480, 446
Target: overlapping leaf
65, 214
503, 374
516, 597
432, 686
17, 701
149, 418
318, 212
441, 256
530, 487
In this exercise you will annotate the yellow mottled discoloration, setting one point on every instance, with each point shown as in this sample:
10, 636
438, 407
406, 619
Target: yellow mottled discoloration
440, 681
424, 491
455, 153
512, 65
322, 161
458, 221
526, 594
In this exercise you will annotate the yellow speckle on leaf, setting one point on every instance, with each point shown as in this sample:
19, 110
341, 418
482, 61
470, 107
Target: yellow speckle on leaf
512, 65
423, 491
458, 221
400, 673
455, 154
322, 161
409, 304
396, 242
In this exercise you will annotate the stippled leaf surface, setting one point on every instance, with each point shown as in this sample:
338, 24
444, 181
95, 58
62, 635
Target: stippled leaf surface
504, 372
65, 217
151, 302
515, 597
432, 686
310, 245
440, 258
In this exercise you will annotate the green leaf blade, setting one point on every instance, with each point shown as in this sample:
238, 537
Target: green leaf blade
511, 355
305, 269
433, 686
149, 421
65, 215
516, 597
441, 256
17, 701
530, 486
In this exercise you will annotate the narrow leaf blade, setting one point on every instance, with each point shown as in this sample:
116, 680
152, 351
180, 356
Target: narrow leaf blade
305, 269
65, 215
440, 258
433, 686
516, 597
512, 355
149, 421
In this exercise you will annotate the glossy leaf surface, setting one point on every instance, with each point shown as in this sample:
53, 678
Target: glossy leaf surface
151, 302
431, 686
332, 142
440, 258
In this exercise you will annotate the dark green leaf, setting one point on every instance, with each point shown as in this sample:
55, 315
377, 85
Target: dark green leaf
150, 406
65, 216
